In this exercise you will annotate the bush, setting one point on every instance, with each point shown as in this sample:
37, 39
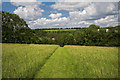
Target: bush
61, 44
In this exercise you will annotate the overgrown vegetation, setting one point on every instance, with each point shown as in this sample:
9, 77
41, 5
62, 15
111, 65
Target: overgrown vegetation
81, 62
24, 60
15, 30
29, 61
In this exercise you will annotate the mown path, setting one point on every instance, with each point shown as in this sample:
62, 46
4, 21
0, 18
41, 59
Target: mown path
81, 62
61, 65
47, 58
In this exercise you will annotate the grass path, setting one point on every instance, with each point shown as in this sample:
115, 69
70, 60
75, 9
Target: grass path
47, 58
81, 62
59, 65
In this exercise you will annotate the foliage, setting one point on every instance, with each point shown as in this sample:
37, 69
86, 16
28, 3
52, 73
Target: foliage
93, 26
15, 30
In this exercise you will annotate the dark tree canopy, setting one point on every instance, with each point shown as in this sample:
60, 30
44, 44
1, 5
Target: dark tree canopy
15, 29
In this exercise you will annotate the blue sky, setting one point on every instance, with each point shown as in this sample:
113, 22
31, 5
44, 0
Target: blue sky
8, 7
46, 7
64, 14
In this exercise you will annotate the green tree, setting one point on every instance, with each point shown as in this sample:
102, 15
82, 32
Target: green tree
93, 26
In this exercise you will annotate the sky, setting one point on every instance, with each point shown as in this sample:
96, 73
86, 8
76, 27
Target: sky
63, 14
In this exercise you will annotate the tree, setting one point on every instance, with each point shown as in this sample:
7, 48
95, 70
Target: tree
93, 26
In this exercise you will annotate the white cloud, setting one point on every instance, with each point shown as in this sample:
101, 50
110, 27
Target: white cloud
69, 6
29, 11
106, 19
119, 14
88, 0
84, 22
83, 14
111, 20
47, 23
26, 3
80, 14
23, 0
55, 15
61, 22
88, 13
95, 11
0, 2
66, 22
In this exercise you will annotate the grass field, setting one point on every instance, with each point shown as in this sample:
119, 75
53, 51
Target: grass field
66, 62
23, 60
81, 62
0, 61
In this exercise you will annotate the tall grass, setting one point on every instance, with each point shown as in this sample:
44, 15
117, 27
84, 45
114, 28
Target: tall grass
23, 60
31, 61
81, 62
0, 61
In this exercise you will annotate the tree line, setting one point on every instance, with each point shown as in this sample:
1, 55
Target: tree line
15, 30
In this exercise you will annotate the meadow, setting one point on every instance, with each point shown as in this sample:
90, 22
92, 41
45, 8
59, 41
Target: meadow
23, 60
52, 61
81, 62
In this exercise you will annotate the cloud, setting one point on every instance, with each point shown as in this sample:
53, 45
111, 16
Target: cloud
0, 2
119, 13
55, 15
61, 22
88, 0
81, 14
95, 11
69, 6
111, 20
26, 3
23, 0
48, 23
29, 11
66, 22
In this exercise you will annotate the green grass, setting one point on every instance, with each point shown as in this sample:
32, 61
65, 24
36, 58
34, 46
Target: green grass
81, 62
31, 61
0, 61
23, 60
